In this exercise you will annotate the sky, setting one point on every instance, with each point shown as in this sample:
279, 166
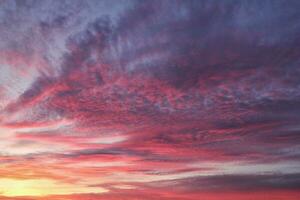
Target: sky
149, 100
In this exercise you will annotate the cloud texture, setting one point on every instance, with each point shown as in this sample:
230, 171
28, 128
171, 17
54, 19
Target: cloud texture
149, 99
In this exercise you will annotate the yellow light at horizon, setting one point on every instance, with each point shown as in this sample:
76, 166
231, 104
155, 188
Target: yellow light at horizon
41, 187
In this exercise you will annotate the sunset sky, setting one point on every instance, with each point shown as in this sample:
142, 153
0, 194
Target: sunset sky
149, 100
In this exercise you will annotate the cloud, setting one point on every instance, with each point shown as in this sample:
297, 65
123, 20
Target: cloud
140, 92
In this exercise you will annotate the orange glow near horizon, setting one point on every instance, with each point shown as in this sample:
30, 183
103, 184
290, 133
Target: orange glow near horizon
41, 187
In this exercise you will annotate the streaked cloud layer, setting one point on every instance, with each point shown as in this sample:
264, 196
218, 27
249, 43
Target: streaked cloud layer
149, 100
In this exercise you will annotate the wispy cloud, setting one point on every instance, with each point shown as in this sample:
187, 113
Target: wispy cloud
149, 99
